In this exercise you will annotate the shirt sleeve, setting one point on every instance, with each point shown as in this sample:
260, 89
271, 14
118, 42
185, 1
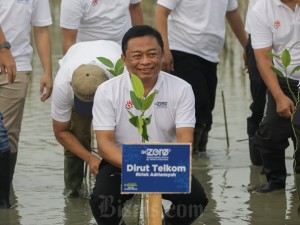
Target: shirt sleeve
261, 33
71, 13
41, 15
169, 4
185, 115
103, 111
232, 5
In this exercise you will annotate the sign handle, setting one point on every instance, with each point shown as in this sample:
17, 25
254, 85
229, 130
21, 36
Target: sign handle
155, 209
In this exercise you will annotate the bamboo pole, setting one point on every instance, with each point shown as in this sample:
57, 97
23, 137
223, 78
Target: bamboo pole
225, 119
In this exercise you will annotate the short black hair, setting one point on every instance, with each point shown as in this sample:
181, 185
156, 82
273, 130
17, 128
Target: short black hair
140, 31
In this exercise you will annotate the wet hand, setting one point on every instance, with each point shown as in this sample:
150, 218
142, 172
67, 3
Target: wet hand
94, 163
46, 87
285, 107
168, 64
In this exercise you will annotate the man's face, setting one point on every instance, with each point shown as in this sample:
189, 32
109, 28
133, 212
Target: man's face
143, 58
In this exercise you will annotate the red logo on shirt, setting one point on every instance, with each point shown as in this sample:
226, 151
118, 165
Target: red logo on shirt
129, 105
277, 24
95, 2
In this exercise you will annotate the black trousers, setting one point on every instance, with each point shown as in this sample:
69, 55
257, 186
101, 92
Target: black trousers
107, 201
202, 75
272, 136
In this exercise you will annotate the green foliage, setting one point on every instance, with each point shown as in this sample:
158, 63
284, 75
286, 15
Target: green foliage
116, 69
284, 61
142, 104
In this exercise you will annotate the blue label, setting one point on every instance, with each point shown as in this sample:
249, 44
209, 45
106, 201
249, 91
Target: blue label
156, 168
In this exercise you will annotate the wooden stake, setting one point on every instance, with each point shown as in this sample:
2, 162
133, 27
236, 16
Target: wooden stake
225, 118
155, 209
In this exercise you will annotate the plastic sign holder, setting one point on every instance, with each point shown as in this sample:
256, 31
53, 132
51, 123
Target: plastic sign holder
156, 169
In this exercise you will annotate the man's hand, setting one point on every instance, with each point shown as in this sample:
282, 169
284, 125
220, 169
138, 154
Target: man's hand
7, 65
45, 87
94, 163
168, 64
284, 106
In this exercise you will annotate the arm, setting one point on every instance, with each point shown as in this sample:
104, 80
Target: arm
185, 134
161, 23
70, 142
237, 26
7, 62
107, 147
136, 14
68, 38
43, 45
284, 105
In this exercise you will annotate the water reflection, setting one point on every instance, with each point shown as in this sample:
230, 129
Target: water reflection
225, 173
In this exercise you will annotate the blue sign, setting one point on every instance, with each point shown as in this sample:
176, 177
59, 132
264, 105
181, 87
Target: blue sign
156, 168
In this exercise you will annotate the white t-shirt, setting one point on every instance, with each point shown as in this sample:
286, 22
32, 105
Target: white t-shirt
170, 110
97, 19
275, 24
198, 26
16, 19
248, 16
79, 53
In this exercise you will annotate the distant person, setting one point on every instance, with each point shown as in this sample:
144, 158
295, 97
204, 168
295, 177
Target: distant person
193, 33
17, 19
75, 84
274, 28
7, 68
142, 49
90, 20
258, 91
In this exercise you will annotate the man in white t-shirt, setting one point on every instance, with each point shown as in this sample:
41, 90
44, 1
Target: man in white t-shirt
89, 20
193, 34
72, 102
275, 26
17, 19
172, 120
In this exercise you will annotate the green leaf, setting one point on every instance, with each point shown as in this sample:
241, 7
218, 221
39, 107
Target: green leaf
295, 70
148, 101
119, 67
147, 120
134, 121
131, 114
286, 58
137, 85
137, 102
106, 62
112, 72
140, 125
145, 135
277, 71
272, 54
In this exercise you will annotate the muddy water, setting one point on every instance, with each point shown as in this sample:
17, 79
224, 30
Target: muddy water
225, 172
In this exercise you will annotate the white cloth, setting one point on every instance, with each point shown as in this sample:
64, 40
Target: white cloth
16, 19
248, 16
198, 26
79, 53
275, 24
97, 19
173, 107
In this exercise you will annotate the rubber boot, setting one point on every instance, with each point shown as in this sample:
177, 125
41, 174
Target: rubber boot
203, 142
13, 162
4, 180
275, 171
198, 143
254, 153
73, 176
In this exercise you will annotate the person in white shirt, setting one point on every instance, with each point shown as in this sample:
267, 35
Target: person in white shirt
72, 102
172, 120
90, 20
193, 34
18, 18
275, 26
258, 91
